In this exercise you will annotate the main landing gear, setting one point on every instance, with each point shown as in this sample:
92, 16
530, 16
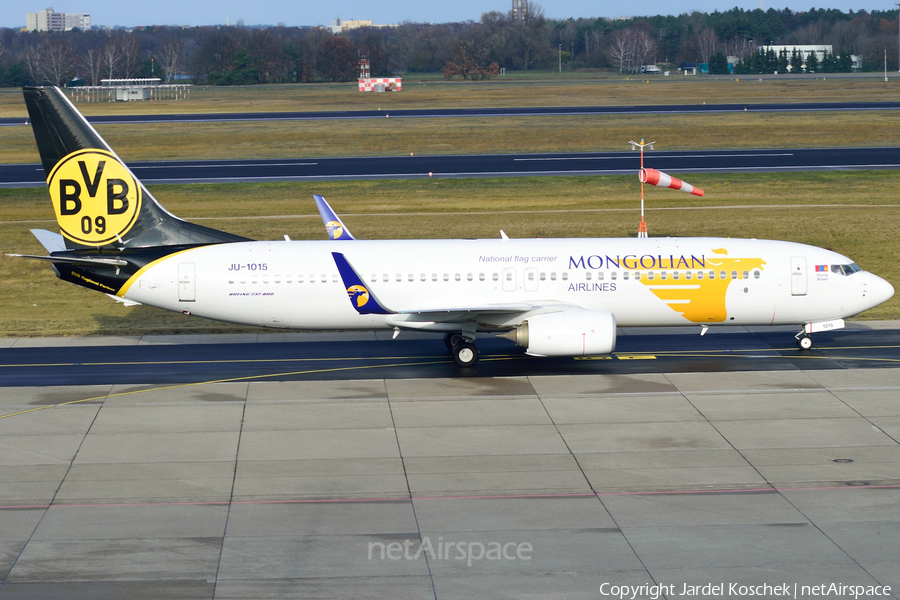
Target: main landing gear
463, 349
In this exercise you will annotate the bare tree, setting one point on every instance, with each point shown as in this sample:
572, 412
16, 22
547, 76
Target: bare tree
130, 48
110, 58
630, 48
51, 61
706, 43
169, 56
90, 62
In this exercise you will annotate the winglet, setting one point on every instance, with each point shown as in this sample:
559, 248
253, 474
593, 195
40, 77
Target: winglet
363, 301
333, 224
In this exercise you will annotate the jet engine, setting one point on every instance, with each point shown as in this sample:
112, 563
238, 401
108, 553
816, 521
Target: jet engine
575, 332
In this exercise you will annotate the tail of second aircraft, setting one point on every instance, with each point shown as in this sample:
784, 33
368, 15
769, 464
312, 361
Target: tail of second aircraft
98, 200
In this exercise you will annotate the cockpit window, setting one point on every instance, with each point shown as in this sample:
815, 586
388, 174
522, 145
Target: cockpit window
846, 269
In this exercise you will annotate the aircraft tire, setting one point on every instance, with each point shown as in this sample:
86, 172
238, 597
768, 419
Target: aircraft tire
451, 338
805, 342
465, 353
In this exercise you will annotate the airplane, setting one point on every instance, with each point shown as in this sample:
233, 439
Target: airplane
554, 297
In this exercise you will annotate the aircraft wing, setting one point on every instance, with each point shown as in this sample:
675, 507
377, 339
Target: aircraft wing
365, 302
333, 224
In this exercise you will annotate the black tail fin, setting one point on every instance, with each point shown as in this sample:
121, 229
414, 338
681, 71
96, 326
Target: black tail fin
98, 200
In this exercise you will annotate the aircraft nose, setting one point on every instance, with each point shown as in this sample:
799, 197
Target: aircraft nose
879, 290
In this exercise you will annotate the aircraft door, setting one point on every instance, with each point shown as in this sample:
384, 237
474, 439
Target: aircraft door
509, 279
531, 279
186, 282
798, 276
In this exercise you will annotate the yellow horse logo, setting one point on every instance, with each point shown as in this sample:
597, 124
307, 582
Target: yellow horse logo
360, 293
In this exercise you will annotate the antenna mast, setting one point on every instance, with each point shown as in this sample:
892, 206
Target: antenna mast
642, 227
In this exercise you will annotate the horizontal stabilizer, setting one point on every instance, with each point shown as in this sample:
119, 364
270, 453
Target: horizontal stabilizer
75, 260
53, 242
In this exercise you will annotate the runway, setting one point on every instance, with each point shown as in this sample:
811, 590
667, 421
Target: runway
400, 487
350, 356
447, 113
499, 165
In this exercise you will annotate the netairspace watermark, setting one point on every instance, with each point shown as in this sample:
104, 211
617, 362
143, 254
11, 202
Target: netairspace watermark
470, 552
737, 590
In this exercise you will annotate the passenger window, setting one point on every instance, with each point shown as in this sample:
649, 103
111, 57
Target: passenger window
469, 277
723, 275
457, 277
481, 277
509, 276
637, 275
423, 277
734, 274
600, 276
530, 276
565, 276
613, 275
650, 275
412, 277
675, 275
663, 275
334, 278
278, 279
688, 275
495, 277
587, 276
399, 277
699, 274
746, 275
552, 276
299, 278
543, 276
712, 274
231, 281
446, 276
385, 278
756, 274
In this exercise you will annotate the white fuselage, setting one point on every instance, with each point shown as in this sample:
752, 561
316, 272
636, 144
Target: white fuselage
642, 282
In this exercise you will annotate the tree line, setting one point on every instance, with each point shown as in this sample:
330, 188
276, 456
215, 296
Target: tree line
470, 50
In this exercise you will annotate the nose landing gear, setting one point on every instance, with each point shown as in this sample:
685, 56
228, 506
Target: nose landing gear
804, 341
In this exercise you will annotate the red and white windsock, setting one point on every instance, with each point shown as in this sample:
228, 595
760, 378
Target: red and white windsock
658, 178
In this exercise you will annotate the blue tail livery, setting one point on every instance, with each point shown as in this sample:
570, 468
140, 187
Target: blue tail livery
333, 224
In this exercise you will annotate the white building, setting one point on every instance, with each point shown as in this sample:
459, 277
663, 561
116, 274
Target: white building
804, 51
50, 20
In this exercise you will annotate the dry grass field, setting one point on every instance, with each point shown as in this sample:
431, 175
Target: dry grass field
398, 137
855, 213
543, 89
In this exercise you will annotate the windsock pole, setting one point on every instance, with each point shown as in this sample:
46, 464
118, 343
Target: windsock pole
642, 226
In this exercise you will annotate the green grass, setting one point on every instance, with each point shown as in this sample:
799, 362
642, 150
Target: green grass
854, 213
399, 137
532, 89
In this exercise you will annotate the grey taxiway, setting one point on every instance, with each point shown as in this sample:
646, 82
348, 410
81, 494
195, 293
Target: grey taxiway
293, 489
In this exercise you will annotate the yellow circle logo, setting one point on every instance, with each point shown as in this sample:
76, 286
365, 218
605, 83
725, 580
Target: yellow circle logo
95, 197
359, 293
334, 229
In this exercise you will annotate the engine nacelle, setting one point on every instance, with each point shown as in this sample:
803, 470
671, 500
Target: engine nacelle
576, 332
